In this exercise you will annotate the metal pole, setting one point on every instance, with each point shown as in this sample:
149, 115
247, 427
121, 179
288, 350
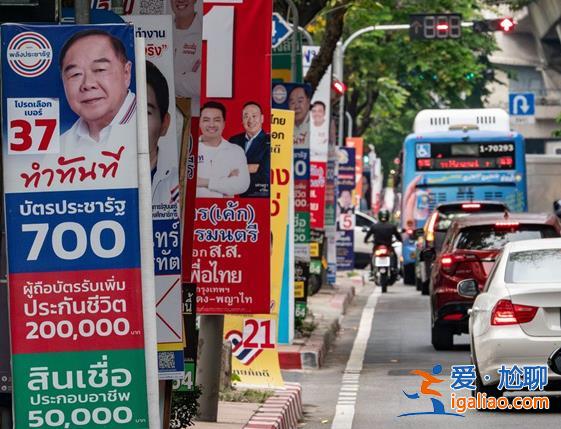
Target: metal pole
82, 8
339, 58
339, 72
349, 124
295, 24
307, 35
209, 366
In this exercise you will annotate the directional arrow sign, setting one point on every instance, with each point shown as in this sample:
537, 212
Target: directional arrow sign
522, 108
281, 29
521, 104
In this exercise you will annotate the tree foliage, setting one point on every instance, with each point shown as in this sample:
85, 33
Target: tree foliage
391, 77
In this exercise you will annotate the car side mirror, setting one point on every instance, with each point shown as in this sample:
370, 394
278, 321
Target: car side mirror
468, 288
428, 254
365, 229
554, 361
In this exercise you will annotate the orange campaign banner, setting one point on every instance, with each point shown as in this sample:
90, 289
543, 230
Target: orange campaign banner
358, 144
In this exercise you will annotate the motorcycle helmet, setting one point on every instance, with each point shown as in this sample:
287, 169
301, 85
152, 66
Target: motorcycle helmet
384, 216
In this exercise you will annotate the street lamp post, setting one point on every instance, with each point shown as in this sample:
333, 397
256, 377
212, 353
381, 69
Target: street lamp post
339, 57
340, 54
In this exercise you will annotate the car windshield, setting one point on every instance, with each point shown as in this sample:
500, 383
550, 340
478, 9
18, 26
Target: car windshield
534, 266
490, 237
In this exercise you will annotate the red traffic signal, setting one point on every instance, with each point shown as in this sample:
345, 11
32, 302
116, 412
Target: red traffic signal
506, 25
339, 87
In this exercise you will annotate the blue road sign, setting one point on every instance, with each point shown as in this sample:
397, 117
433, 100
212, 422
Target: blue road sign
281, 29
521, 104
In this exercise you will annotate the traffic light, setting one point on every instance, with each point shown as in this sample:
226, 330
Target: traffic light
505, 24
339, 87
435, 26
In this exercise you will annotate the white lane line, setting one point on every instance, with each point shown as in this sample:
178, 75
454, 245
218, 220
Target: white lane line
345, 409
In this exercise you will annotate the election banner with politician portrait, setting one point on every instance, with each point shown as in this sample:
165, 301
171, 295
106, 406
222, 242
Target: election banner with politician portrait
345, 208
72, 222
164, 169
231, 240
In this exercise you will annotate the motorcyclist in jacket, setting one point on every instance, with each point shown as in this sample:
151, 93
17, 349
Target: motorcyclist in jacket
383, 231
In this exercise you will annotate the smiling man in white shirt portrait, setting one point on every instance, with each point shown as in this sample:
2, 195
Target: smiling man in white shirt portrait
222, 166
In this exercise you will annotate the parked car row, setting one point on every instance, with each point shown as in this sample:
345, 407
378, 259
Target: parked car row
496, 276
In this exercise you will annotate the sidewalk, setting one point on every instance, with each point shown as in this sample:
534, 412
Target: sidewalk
284, 409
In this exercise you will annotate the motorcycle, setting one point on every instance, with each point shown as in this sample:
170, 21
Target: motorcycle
384, 266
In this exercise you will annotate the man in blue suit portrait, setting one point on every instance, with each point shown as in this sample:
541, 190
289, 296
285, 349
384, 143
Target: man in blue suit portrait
257, 147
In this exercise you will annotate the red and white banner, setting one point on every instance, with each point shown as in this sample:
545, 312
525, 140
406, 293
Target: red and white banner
231, 245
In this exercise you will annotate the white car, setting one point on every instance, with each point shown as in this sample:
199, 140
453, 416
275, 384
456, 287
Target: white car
516, 319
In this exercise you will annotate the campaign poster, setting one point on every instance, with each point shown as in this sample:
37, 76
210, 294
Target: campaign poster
164, 169
231, 244
282, 126
376, 181
331, 214
255, 359
297, 97
72, 222
189, 309
358, 144
345, 208
320, 112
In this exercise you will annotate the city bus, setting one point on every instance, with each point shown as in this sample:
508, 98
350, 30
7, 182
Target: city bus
458, 155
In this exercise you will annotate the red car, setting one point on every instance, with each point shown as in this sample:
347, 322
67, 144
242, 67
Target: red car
436, 227
469, 251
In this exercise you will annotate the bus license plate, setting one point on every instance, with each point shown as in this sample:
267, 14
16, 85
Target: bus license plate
382, 261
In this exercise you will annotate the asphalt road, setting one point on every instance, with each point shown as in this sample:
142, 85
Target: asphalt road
399, 342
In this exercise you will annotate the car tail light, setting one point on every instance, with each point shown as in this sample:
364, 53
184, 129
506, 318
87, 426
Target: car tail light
507, 313
453, 316
382, 251
471, 206
507, 225
449, 262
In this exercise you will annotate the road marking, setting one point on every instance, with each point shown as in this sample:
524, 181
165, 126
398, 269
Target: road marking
345, 409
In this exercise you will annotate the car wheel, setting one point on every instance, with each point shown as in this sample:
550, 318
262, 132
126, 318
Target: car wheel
442, 338
409, 274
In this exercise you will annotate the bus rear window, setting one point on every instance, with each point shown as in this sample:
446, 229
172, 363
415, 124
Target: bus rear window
489, 237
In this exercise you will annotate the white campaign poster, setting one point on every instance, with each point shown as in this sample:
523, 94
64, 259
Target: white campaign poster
164, 163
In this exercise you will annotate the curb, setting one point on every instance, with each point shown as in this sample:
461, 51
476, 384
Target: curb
311, 355
283, 410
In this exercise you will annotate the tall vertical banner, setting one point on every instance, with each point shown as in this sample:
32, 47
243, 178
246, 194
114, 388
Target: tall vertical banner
282, 283
164, 166
358, 144
345, 209
255, 359
331, 212
72, 221
296, 97
319, 140
231, 245
376, 182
